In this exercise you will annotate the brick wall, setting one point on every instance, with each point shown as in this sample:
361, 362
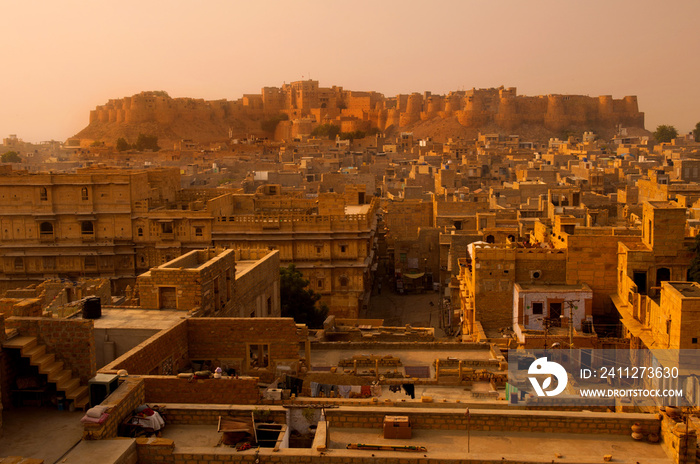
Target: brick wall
678, 444
21, 307
121, 403
171, 389
165, 353
497, 420
70, 340
186, 414
255, 285
593, 260
226, 340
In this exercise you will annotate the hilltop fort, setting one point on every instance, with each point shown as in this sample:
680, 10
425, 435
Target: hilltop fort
303, 105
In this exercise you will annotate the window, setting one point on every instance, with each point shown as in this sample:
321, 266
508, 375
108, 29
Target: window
344, 281
19, 264
84, 193
319, 283
269, 306
43, 194
166, 227
343, 248
402, 257
139, 231
694, 340
46, 229
319, 249
198, 232
537, 308
258, 356
86, 228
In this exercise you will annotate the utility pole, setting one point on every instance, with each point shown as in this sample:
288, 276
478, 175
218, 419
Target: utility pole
570, 304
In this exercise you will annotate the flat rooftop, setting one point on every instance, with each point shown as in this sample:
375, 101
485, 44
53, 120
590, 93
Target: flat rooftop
687, 289
117, 318
513, 446
357, 209
244, 266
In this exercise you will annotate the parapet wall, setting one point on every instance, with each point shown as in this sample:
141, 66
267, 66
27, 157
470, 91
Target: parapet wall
230, 390
164, 354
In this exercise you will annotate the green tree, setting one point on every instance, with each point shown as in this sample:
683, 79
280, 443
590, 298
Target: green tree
352, 135
11, 157
696, 132
147, 142
665, 133
122, 144
326, 130
299, 302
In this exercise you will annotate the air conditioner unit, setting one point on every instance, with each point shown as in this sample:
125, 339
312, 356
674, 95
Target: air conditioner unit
534, 275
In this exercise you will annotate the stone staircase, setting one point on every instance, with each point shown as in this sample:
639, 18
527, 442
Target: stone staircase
47, 364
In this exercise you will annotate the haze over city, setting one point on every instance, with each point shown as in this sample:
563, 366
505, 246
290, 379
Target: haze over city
63, 59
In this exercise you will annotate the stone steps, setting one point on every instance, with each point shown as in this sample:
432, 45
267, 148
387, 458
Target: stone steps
54, 370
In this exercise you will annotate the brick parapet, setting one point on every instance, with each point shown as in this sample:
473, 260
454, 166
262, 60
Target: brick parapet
229, 390
120, 404
165, 353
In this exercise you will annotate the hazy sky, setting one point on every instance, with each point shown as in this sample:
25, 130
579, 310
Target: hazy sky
61, 59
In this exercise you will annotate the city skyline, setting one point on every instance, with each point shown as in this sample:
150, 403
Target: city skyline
64, 60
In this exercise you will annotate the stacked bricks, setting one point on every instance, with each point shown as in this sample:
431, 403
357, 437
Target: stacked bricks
170, 389
121, 403
150, 356
71, 340
678, 444
21, 307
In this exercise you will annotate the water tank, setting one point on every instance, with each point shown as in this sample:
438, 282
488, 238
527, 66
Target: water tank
92, 309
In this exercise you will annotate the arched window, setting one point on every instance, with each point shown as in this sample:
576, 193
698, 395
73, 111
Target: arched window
86, 228
84, 193
43, 194
344, 281
198, 232
490, 239
139, 231
46, 229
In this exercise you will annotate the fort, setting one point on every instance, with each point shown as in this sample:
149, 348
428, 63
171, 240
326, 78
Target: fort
306, 105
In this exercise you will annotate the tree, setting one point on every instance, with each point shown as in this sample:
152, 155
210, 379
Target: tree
696, 132
122, 144
326, 130
11, 157
352, 135
665, 133
299, 302
147, 142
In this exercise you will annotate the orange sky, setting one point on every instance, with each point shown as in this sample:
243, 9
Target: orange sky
61, 59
